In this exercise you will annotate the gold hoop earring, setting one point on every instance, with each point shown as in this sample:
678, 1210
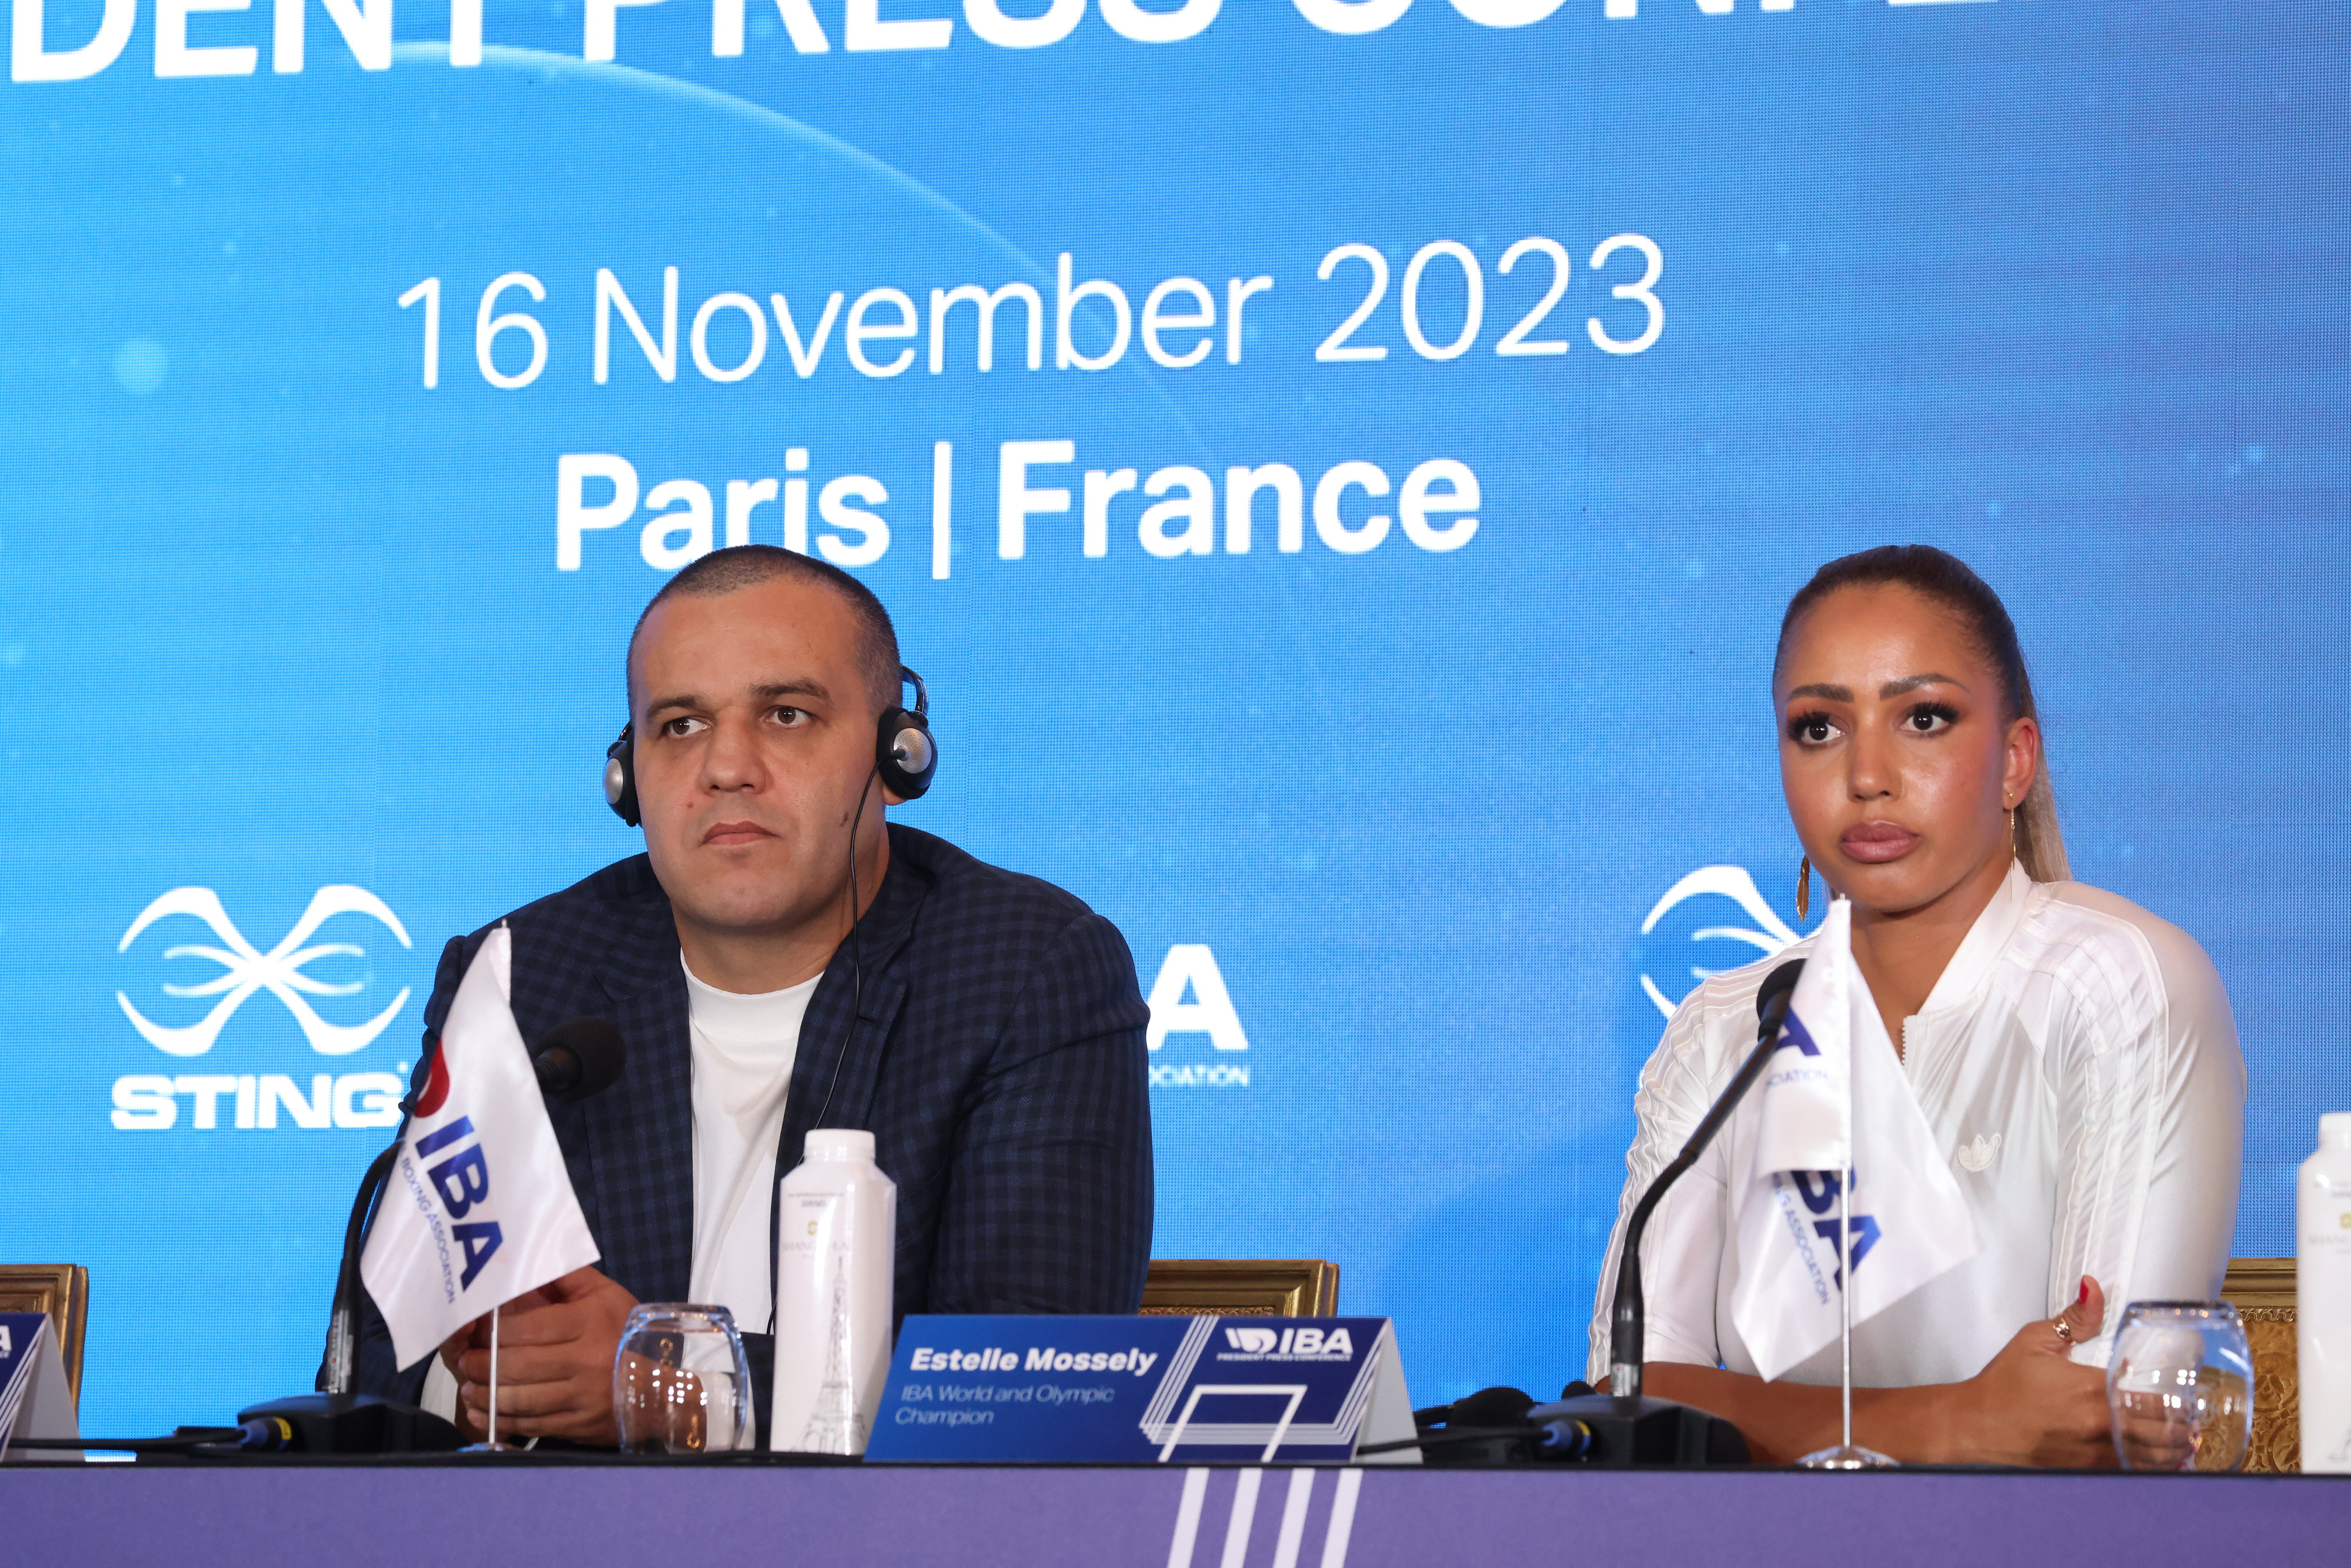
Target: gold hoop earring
1804, 889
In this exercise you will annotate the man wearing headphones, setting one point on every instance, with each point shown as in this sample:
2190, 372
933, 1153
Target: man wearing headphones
985, 1027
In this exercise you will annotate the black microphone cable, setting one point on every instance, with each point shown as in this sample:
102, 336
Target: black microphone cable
187, 1440
1555, 1441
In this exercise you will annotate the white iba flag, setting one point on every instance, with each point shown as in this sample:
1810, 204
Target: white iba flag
479, 1209
1835, 1096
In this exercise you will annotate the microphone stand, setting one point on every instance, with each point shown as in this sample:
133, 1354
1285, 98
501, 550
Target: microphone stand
334, 1419
573, 1060
1626, 1327
340, 1364
1622, 1426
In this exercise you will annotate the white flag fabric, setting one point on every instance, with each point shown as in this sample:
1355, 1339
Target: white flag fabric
1837, 1095
479, 1209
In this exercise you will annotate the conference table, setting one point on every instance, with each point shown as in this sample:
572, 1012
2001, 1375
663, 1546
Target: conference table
453, 1513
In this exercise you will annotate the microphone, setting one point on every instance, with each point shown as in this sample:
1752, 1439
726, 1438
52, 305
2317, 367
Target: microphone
1626, 1329
579, 1060
1503, 1425
572, 1061
1620, 1427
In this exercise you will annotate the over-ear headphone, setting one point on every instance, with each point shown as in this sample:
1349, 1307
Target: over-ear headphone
621, 776
905, 754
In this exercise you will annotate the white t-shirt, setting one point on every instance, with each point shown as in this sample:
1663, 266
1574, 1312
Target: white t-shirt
743, 1051
2079, 1067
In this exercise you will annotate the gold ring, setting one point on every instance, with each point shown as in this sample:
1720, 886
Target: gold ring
2065, 1330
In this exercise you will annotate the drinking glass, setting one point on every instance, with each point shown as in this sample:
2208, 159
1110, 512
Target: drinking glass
2180, 1388
681, 1382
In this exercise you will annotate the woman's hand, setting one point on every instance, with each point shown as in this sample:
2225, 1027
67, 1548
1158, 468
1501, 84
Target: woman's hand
2030, 1405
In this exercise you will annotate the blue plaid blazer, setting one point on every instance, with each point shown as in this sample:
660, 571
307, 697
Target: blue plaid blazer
999, 1066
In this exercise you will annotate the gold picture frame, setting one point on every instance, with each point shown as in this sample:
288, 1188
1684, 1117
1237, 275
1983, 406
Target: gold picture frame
1241, 1287
60, 1289
2263, 1289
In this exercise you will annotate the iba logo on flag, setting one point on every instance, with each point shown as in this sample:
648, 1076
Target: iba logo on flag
480, 1209
1835, 1100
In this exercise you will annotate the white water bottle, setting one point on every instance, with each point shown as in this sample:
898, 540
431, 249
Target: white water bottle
2322, 1310
836, 1243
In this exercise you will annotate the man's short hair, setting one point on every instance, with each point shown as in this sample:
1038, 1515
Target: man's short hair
724, 571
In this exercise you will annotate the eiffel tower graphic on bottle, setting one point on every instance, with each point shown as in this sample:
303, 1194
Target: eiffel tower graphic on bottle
835, 1424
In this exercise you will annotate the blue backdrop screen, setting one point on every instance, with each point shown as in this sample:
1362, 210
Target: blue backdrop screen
1339, 464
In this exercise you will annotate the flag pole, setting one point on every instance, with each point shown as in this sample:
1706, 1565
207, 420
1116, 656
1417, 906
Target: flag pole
1845, 1292
490, 1444
1845, 1455
1845, 1263
493, 1382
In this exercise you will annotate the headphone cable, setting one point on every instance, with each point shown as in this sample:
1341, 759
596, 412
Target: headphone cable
856, 958
856, 1008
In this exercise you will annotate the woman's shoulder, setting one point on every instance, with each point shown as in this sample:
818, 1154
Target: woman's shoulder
2126, 959
1706, 1038
1719, 1014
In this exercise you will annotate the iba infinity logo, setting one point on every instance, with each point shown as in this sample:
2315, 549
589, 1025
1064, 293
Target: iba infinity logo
1729, 882
245, 969
152, 1101
1289, 1344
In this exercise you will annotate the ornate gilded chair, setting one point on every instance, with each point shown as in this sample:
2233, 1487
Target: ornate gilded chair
1241, 1287
2262, 1290
60, 1289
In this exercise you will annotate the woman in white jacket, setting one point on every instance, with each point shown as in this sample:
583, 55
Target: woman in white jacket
2073, 1055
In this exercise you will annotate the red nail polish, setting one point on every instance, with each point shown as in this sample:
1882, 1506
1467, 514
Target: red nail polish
2084, 1295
